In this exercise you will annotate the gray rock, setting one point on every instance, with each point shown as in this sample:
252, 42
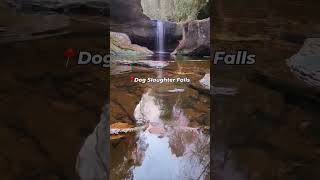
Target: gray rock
196, 39
120, 44
205, 81
305, 65
92, 161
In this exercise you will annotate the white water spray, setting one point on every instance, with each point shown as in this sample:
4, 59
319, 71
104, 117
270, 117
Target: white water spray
160, 36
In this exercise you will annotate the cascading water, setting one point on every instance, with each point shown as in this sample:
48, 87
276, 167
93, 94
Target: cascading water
160, 36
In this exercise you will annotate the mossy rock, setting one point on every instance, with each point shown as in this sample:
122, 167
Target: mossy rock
120, 44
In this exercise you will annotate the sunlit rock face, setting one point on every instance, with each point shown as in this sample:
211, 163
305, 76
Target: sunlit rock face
120, 44
306, 63
196, 38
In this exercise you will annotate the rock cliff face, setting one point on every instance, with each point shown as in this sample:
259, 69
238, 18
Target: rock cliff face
127, 17
196, 38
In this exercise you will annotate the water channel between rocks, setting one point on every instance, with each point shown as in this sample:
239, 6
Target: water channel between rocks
176, 142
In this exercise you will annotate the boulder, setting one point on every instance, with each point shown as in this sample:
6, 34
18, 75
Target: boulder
120, 44
305, 65
196, 39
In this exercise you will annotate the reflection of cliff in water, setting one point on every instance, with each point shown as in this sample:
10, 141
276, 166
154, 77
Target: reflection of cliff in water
168, 149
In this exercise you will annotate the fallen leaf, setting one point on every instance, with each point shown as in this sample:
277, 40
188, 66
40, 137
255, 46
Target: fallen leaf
116, 136
120, 125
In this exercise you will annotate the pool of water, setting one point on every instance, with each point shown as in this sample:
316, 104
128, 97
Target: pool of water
176, 142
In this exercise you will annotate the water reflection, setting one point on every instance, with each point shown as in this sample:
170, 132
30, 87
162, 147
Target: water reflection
168, 148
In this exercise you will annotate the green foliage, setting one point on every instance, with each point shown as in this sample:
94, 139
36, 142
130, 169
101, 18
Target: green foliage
173, 10
187, 9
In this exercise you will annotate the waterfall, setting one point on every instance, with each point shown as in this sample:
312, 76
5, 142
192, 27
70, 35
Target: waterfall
160, 36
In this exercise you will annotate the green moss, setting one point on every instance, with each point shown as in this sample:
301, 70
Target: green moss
173, 10
187, 9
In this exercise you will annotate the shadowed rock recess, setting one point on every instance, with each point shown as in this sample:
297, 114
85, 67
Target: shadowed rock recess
48, 110
270, 128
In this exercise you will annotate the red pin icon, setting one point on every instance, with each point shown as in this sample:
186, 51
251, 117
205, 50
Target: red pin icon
69, 53
131, 78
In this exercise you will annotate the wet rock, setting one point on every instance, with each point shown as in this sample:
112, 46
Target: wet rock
196, 39
119, 69
144, 63
120, 44
124, 128
202, 85
306, 63
175, 90
205, 81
